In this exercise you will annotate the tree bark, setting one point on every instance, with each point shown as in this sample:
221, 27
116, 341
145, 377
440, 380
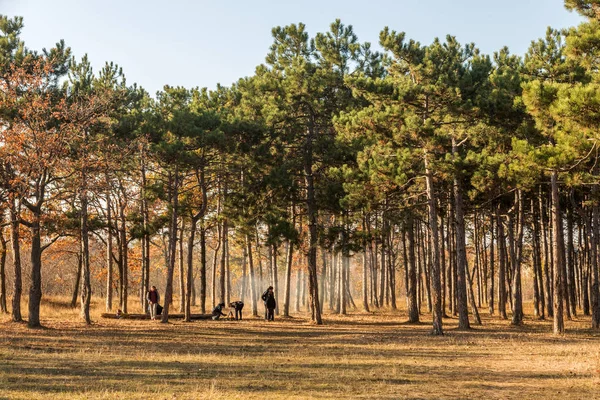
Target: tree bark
492, 272
517, 308
16, 255
311, 210
75, 294
558, 254
86, 284
413, 306
3, 307
174, 205
502, 267
437, 290
182, 285
252, 277
109, 256
461, 251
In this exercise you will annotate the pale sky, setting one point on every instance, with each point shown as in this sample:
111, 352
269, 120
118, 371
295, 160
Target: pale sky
202, 43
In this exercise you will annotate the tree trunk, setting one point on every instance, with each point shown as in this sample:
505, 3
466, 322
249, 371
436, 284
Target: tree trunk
109, 256
35, 289
253, 294
86, 284
223, 264
75, 295
202, 268
311, 210
559, 327
181, 268
547, 255
502, 267
124, 255
413, 306
570, 278
517, 300
437, 290
288, 278
538, 308
299, 279
492, 272
461, 251
3, 307
174, 200
190, 270
16, 255
595, 289
275, 278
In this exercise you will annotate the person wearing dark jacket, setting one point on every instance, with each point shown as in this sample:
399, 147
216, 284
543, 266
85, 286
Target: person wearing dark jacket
153, 298
218, 311
270, 304
237, 306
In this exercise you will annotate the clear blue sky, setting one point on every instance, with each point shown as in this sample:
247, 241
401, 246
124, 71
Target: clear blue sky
202, 43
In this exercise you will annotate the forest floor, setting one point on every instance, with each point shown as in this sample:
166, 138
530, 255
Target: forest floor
356, 356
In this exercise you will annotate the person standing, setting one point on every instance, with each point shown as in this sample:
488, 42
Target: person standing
270, 304
153, 298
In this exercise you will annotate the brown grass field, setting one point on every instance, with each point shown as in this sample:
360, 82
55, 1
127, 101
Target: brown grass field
357, 356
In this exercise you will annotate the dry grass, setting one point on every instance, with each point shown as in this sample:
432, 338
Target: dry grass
357, 356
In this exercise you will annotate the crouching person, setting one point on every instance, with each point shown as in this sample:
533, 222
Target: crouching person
218, 311
236, 306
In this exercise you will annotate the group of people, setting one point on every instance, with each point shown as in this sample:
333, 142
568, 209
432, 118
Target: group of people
235, 311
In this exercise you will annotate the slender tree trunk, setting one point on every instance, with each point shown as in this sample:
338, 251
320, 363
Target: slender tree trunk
570, 278
382, 263
492, 272
451, 259
461, 251
275, 278
182, 286
203, 267
288, 279
214, 266
3, 307
244, 283
174, 200
253, 293
437, 290
587, 257
299, 279
547, 254
75, 295
109, 256
472, 297
559, 327
536, 261
517, 300
413, 307
190, 270
323, 280
86, 284
595, 289
311, 211
16, 255
222, 272
35, 289
502, 266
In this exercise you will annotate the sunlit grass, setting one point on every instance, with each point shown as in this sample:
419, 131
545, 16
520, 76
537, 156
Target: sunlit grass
357, 356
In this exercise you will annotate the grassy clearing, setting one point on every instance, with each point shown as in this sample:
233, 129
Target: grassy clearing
357, 356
